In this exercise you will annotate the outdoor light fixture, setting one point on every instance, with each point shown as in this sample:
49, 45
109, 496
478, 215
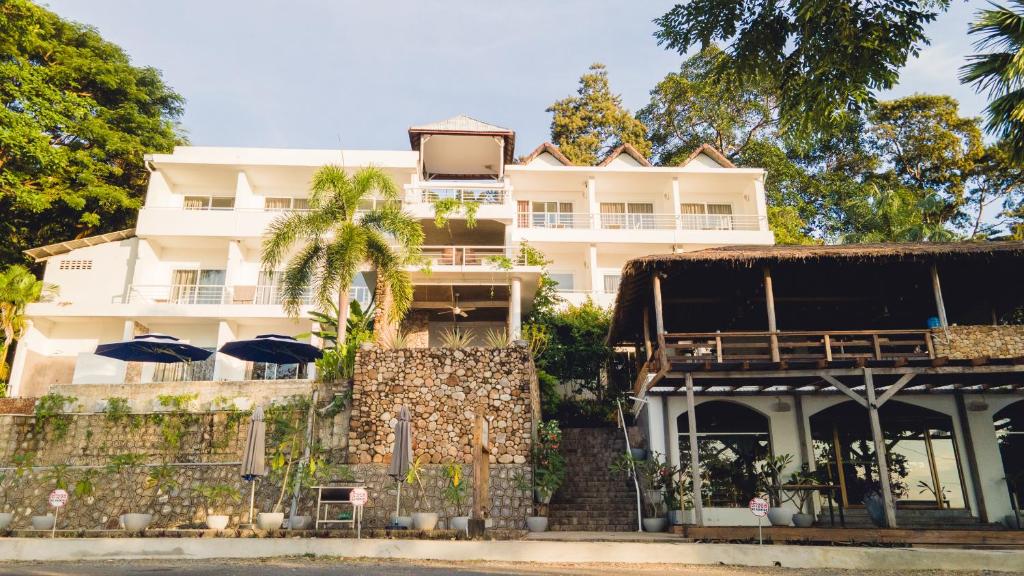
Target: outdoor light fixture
781, 406
977, 405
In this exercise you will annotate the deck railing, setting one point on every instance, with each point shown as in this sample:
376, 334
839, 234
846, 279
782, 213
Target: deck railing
799, 346
582, 220
472, 255
199, 294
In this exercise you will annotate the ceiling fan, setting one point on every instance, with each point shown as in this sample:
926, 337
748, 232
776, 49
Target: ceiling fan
455, 309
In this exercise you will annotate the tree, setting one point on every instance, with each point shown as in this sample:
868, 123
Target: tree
588, 125
694, 107
999, 72
76, 119
823, 57
332, 245
18, 289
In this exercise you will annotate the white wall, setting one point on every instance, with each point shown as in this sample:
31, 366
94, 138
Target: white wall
111, 264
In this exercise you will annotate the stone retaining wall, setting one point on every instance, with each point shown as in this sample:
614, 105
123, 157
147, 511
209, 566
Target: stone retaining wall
962, 342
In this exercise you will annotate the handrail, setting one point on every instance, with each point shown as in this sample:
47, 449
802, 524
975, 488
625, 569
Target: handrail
465, 255
632, 468
803, 345
626, 221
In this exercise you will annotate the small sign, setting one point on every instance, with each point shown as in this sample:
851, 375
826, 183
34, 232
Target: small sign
759, 507
358, 496
58, 498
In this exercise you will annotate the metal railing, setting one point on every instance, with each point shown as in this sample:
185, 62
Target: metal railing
478, 195
581, 220
269, 295
472, 255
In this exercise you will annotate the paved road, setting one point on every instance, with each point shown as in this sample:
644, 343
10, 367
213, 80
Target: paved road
344, 567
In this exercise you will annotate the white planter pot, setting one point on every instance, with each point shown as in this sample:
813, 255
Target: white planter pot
299, 522
5, 520
217, 521
803, 520
779, 516
537, 523
43, 522
269, 521
425, 521
675, 517
655, 524
134, 522
460, 523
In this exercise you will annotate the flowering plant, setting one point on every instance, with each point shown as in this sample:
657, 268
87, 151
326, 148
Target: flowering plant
548, 462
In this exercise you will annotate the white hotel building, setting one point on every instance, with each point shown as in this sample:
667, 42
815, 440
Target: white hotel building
191, 266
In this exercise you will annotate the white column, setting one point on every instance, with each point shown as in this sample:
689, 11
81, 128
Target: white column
515, 312
596, 284
233, 269
21, 347
656, 431
592, 206
677, 203
315, 341
940, 305
762, 204
244, 197
227, 367
159, 195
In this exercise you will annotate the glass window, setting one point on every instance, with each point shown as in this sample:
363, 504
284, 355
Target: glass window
611, 283
197, 202
197, 287
277, 204
186, 371
222, 203
300, 203
267, 371
1009, 425
552, 214
732, 442
563, 280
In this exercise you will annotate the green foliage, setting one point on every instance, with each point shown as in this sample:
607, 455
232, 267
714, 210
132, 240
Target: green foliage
456, 338
576, 353
769, 476
76, 119
18, 288
455, 489
332, 245
218, 496
285, 439
85, 484
590, 124
496, 338
50, 415
58, 476
823, 58
549, 397
176, 423
118, 410
445, 208
548, 463
340, 365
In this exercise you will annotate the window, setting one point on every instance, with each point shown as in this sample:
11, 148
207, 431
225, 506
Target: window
268, 371
283, 204
564, 281
1009, 425
732, 441
551, 214
209, 202
197, 287
72, 264
611, 283
186, 371
701, 216
632, 215
268, 289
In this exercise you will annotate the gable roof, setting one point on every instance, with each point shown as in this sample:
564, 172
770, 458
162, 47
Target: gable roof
625, 149
465, 125
43, 252
550, 149
711, 152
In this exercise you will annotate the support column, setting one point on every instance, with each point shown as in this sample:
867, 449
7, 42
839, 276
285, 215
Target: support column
16, 373
691, 417
647, 334
972, 457
515, 309
227, 367
592, 205
940, 306
244, 198
233, 274
769, 298
880, 452
596, 284
131, 372
659, 319
677, 204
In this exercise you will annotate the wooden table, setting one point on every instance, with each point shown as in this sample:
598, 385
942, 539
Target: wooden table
334, 495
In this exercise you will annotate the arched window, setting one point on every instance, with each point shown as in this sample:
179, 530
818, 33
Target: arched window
732, 441
1009, 425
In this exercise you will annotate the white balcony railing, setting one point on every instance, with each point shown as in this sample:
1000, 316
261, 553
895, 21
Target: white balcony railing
469, 256
190, 294
478, 195
642, 221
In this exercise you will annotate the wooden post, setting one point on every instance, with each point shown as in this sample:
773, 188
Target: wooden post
828, 348
481, 478
940, 306
883, 465
659, 318
769, 298
691, 417
647, 332
972, 457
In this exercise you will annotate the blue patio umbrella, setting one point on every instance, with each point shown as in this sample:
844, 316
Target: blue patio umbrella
159, 348
272, 349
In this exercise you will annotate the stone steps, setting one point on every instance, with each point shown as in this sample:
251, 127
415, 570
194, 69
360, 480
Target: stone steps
592, 499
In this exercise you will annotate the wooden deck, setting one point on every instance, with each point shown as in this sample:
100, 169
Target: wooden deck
857, 536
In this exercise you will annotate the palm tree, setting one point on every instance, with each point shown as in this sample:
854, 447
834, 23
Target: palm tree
1001, 71
18, 288
333, 245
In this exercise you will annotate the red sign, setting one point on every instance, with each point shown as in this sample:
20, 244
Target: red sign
759, 507
358, 496
58, 498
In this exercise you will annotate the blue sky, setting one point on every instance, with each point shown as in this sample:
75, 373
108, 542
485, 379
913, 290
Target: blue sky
324, 74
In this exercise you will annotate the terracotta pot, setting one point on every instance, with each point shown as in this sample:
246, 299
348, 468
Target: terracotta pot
135, 522
217, 521
269, 521
425, 521
43, 522
537, 523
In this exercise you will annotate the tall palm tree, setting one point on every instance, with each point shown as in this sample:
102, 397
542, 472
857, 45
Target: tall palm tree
1000, 72
332, 245
18, 288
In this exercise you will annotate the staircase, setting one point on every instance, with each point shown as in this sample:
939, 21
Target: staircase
914, 519
593, 498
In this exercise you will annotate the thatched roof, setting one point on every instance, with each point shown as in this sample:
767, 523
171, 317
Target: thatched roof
635, 291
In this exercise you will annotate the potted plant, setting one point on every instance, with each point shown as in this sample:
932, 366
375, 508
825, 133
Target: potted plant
652, 475
800, 495
455, 495
425, 521
218, 497
57, 478
155, 480
317, 471
673, 495
539, 521
286, 434
548, 462
769, 480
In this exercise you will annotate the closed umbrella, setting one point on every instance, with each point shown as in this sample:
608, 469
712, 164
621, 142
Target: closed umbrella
401, 454
159, 348
253, 464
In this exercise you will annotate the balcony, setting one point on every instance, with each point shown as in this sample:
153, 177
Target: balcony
641, 221
491, 257
196, 294
493, 201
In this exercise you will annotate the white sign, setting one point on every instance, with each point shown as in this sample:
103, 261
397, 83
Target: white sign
58, 498
358, 496
759, 507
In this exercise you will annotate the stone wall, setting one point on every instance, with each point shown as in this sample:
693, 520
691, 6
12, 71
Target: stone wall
444, 390
214, 394
978, 341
